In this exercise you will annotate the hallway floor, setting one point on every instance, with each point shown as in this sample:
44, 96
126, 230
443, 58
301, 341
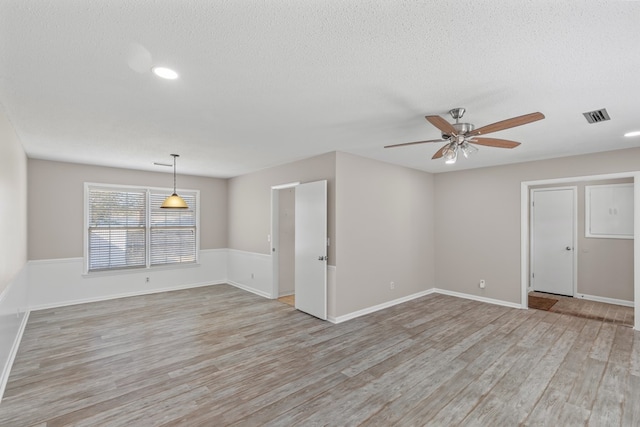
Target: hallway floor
579, 307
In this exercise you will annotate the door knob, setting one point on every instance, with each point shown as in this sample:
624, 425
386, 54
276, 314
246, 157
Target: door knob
568, 248
322, 258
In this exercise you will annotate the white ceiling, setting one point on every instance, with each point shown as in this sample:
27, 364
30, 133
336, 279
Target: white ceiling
267, 82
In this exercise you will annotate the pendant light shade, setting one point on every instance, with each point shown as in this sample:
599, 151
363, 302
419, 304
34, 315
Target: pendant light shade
174, 201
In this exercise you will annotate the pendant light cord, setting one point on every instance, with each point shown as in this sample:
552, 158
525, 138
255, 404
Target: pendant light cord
174, 172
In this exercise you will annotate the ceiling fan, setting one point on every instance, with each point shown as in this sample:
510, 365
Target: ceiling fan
460, 136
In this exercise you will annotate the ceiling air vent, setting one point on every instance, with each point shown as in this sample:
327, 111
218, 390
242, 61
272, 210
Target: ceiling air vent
597, 116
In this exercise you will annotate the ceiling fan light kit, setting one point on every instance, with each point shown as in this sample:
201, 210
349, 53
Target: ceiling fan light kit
461, 136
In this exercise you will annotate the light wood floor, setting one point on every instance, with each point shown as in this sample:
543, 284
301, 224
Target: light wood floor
217, 356
288, 299
590, 309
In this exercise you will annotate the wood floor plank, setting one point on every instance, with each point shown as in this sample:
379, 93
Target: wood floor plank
607, 407
220, 356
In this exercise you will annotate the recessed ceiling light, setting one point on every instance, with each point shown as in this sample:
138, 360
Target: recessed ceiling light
634, 133
165, 73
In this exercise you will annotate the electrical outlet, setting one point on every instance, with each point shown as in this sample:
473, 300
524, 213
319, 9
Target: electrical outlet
482, 284
392, 285
252, 276
147, 279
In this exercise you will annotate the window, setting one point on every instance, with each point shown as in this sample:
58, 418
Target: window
126, 228
173, 231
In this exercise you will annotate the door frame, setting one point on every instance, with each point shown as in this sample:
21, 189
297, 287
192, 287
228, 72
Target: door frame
273, 239
524, 231
574, 243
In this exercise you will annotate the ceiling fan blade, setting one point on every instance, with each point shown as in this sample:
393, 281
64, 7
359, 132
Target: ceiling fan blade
439, 153
494, 142
413, 143
442, 124
506, 124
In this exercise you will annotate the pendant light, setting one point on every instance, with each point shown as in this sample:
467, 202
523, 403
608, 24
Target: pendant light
174, 201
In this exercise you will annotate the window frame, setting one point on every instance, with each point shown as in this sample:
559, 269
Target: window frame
88, 186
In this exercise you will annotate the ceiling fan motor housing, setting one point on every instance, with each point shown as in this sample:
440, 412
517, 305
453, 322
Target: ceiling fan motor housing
461, 128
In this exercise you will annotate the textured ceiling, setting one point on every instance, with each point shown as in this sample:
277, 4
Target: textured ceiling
267, 82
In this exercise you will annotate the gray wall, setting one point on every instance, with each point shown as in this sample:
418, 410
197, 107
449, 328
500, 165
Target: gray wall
13, 204
286, 241
478, 219
384, 232
605, 266
250, 201
56, 204
380, 221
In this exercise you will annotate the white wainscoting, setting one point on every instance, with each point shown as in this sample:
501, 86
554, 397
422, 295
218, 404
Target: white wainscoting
60, 282
250, 271
14, 314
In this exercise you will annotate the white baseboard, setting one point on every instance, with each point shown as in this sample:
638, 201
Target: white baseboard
372, 309
344, 318
478, 298
285, 294
14, 312
125, 295
249, 289
4, 376
606, 300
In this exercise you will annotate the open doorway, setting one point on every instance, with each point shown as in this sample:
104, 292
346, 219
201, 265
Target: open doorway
590, 253
283, 242
299, 245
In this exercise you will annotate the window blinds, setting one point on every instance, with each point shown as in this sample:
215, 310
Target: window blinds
172, 231
128, 229
117, 234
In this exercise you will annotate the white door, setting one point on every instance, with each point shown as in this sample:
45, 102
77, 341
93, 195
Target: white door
553, 226
311, 248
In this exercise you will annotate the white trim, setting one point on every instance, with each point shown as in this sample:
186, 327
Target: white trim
4, 377
249, 289
606, 300
56, 261
156, 267
126, 295
274, 242
283, 186
602, 177
636, 250
524, 230
524, 243
478, 298
372, 309
251, 254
